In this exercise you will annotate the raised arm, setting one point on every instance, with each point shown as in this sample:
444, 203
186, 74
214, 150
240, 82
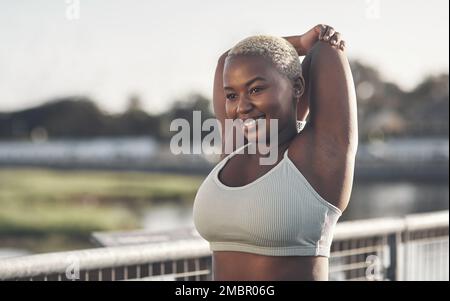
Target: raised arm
332, 99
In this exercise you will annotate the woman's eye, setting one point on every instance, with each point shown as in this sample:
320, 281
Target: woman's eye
230, 96
256, 89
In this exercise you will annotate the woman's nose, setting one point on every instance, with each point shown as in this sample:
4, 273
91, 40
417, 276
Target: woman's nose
244, 105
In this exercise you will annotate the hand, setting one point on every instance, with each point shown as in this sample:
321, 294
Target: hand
319, 32
328, 34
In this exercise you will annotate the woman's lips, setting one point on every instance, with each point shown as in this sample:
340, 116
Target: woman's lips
251, 122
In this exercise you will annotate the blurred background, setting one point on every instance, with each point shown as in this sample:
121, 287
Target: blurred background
88, 90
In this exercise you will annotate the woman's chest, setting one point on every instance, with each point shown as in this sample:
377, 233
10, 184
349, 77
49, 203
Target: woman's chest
241, 171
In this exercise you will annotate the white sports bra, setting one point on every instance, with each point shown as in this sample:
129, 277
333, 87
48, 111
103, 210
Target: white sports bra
278, 214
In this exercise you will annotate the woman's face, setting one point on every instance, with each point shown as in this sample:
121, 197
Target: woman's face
254, 88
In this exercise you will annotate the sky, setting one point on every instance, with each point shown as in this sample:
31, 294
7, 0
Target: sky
164, 50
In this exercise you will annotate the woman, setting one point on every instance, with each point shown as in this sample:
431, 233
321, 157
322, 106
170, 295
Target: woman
276, 222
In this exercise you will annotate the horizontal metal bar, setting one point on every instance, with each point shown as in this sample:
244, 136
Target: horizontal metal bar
166, 276
347, 267
99, 258
421, 221
364, 278
356, 251
431, 240
385, 226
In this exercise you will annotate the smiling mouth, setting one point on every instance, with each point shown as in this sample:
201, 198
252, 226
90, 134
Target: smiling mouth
251, 122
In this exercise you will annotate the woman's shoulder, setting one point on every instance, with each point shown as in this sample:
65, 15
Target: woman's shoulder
327, 171
308, 145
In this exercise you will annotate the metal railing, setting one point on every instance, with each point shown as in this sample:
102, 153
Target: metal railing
411, 248
392, 248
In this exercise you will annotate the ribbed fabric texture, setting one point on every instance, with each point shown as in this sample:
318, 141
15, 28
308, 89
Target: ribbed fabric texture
278, 214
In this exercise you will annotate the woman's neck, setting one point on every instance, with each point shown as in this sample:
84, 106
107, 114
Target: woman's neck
285, 137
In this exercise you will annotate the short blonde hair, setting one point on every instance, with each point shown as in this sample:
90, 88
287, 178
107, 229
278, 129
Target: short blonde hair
278, 50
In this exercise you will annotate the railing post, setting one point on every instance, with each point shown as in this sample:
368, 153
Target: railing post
394, 241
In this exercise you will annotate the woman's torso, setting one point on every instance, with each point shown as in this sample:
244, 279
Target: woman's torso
327, 172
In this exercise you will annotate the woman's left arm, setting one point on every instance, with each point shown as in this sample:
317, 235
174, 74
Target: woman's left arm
303, 45
332, 97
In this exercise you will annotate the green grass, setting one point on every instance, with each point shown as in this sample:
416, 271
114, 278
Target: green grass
66, 186
75, 203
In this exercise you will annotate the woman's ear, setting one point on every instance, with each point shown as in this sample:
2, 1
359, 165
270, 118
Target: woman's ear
301, 99
299, 88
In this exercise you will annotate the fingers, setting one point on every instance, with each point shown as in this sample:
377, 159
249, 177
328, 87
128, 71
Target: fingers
328, 34
323, 30
334, 38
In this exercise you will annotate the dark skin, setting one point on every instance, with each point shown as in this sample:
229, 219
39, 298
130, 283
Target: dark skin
324, 152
